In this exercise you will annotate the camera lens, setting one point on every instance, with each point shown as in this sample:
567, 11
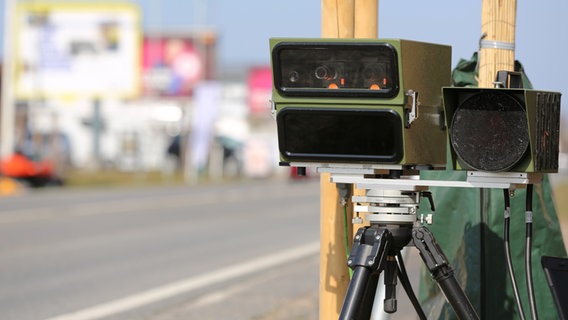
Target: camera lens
324, 72
293, 76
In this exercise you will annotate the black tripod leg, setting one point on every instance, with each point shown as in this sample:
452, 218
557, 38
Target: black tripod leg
366, 259
391, 270
360, 295
443, 273
356, 293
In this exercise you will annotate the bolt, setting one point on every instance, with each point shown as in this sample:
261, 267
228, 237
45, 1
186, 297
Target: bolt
419, 235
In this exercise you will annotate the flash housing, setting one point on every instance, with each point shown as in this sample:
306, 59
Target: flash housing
368, 102
503, 129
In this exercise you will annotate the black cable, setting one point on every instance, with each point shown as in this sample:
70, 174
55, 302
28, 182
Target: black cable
483, 194
344, 191
510, 267
528, 251
403, 277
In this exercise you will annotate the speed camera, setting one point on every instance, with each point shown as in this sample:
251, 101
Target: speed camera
362, 101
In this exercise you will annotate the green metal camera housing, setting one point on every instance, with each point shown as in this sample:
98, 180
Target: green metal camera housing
362, 101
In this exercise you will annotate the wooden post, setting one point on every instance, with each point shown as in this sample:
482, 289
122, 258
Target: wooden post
337, 18
366, 20
497, 47
496, 52
340, 19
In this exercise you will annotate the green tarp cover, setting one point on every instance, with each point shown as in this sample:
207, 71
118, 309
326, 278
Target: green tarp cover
468, 221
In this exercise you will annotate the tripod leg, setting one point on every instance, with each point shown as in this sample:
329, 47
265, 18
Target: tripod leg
390, 285
442, 272
360, 295
367, 259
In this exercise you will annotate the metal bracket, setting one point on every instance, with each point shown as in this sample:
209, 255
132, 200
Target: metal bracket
412, 113
272, 108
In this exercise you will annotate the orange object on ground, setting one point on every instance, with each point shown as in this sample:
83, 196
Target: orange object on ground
20, 166
33, 173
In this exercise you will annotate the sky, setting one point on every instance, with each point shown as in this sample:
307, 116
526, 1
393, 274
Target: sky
244, 28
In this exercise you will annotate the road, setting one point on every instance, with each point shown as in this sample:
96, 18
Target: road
235, 251
226, 251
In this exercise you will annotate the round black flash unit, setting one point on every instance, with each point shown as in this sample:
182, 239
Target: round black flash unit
489, 131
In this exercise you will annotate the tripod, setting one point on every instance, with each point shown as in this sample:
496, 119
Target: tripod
377, 248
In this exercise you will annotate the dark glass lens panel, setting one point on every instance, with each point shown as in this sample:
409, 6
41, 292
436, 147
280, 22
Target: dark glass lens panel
489, 131
342, 135
336, 69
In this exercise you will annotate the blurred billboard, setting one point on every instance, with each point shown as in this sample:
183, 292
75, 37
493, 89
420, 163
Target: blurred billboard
173, 63
260, 90
77, 49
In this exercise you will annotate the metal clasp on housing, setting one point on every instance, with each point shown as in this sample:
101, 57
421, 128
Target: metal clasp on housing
412, 113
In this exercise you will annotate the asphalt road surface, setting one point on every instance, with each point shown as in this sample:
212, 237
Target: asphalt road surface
234, 251
245, 251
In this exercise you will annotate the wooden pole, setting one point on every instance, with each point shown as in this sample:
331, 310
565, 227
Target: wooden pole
497, 46
496, 52
366, 20
337, 18
340, 19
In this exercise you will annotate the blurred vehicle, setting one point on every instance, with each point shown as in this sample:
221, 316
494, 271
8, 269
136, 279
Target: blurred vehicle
31, 173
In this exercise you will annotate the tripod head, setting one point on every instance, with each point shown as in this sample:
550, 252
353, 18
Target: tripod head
392, 194
390, 204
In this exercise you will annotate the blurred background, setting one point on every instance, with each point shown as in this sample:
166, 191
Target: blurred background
180, 90
177, 93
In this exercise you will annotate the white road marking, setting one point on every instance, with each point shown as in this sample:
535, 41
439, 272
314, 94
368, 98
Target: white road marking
187, 285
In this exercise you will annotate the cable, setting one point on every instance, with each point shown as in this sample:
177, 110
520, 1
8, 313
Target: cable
506, 227
528, 250
344, 191
483, 198
403, 276
345, 232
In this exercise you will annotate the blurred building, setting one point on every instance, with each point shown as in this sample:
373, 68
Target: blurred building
95, 91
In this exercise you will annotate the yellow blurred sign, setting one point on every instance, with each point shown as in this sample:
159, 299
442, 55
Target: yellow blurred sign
81, 49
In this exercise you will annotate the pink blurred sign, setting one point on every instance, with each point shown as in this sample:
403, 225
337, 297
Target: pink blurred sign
260, 90
171, 66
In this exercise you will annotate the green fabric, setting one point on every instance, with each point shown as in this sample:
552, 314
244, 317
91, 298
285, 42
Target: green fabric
459, 228
465, 73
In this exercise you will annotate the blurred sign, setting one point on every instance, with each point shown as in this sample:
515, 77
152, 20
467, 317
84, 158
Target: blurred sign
260, 90
174, 63
86, 49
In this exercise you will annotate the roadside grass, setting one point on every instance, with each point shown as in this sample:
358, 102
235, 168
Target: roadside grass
115, 178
